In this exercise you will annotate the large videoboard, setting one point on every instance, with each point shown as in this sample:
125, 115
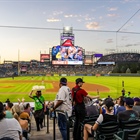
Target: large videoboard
67, 55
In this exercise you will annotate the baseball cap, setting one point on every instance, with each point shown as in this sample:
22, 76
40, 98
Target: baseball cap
78, 80
63, 81
136, 99
129, 101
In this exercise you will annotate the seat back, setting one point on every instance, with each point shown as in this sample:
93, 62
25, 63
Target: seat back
130, 134
107, 130
90, 121
130, 124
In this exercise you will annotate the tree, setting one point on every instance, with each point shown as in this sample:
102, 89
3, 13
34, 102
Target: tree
128, 70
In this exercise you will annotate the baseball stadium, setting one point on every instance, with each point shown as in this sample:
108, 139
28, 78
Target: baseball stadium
108, 76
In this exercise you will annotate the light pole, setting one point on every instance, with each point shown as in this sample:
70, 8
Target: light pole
18, 62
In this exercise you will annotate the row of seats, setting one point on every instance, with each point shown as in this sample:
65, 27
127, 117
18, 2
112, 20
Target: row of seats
113, 130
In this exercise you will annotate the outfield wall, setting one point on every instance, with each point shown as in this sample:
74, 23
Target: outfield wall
97, 75
83, 74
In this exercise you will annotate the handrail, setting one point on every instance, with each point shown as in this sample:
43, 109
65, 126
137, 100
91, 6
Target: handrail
67, 119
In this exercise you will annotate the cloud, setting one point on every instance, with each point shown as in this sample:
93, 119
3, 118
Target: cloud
112, 9
100, 17
93, 25
111, 15
130, 45
87, 18
109, 41
70, 16
55, 13
79, 20
53, 20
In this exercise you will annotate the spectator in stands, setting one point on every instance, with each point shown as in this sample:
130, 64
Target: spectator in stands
63, 103
27, 108
8, 111
63, 53
121, 106
9, 127
136, 106
129, 113
78, 95
71, 52
7, 101
23, 114
103, 118
55, 50
16, 113
79, 55
40, 108
108, 99
92, 110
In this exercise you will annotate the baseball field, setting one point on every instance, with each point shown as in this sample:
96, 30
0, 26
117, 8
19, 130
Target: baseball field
19, 87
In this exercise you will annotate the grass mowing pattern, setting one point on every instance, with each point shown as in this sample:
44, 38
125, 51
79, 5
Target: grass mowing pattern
19, 90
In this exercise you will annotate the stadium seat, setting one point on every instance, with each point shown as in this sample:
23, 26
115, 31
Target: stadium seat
88, 120
126, 134
129, 124
106, 131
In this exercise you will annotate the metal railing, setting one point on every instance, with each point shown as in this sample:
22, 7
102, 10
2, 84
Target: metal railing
54, 122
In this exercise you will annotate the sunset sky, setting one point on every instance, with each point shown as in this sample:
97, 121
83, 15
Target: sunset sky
33, 26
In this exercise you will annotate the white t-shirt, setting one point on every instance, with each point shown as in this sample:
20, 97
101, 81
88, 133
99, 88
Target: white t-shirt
10, 128
64, 94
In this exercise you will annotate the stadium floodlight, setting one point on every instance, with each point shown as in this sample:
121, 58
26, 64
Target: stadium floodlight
67, 29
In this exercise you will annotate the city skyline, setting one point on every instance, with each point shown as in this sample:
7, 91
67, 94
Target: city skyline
34, 26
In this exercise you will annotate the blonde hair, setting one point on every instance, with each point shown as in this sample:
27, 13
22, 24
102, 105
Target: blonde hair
16, 111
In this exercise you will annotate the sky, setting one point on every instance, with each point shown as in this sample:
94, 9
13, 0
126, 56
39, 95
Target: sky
28, 27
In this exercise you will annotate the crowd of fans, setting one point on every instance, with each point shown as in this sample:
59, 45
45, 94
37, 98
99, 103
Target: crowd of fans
18, 116
15, 120
121, 57
47, 68
69, 70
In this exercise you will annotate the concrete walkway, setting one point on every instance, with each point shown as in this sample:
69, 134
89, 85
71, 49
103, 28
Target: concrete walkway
43, 134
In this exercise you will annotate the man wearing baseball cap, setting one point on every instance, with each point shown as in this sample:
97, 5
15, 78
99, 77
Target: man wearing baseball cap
78, 95
136, 106
129, 113
63, 102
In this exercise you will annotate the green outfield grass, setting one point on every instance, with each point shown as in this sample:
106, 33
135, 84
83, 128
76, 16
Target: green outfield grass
21, 86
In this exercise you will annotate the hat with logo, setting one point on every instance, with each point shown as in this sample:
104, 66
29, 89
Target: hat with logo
78, 80
129, 101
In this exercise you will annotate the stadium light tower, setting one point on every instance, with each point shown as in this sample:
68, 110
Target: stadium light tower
67, 30
18, 62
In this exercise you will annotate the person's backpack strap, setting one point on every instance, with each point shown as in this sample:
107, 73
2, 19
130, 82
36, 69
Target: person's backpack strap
40, 102
75, 91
